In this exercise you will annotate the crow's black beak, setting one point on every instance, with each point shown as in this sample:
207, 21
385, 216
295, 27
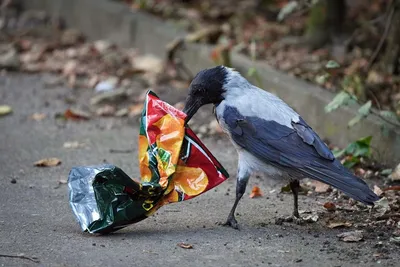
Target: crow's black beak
191, 107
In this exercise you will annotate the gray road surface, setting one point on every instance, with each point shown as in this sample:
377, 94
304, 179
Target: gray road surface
36, 220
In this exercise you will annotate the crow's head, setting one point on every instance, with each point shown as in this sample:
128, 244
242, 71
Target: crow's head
207, 87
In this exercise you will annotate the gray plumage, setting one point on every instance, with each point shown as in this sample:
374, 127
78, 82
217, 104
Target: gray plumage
269, 136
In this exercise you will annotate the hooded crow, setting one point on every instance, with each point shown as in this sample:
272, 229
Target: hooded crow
269, 136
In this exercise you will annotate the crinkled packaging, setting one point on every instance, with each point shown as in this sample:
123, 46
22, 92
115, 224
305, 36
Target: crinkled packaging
174, 166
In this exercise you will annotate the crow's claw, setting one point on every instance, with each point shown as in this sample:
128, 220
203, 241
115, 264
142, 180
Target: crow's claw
231, 221
289, 219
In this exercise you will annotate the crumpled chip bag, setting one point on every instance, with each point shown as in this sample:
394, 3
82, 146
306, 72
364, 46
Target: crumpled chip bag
174, 166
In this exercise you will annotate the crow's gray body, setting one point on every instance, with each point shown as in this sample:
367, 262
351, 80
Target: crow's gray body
250, 101
270, 136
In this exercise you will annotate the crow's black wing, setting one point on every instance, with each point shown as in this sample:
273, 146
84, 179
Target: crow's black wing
297, 150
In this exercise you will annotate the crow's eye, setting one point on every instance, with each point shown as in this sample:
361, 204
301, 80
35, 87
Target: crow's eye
197, 91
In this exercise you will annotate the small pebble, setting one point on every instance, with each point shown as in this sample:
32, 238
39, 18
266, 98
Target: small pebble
13, 181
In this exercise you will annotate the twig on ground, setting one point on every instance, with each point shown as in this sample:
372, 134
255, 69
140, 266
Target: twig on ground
20, 256
121, 150
388, 216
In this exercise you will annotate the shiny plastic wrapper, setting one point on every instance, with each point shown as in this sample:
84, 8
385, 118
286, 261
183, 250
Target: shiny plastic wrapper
174, 166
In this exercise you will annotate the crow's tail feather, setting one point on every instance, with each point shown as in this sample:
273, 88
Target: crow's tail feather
339, 177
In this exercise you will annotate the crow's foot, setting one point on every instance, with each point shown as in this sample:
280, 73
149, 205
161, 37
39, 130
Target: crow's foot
231, 221
289, 219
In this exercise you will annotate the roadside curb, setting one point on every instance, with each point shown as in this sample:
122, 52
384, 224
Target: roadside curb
105, 19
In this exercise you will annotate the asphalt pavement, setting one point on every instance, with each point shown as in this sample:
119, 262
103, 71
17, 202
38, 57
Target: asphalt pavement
36, 220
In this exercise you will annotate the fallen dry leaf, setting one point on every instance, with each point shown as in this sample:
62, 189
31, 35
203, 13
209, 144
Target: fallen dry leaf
185, 245
255, 192
148, 63
113, 96
122, 112
48, 162
135, 110
93, 81
329, 206
70, 68
382, 206
4, 110
38, 116
336, 224
75, 114
106, 110
311, 218
102, 46
377, 190
353, 236
320, 187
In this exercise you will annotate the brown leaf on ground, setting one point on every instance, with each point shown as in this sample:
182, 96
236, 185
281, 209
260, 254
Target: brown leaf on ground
102, 46
38, 116
255, 192
320, 187
310, 218
353, 236
148, 63
75, 114
48, 162
382, 206
106, 110
122, 112
336, 224
185, 245
70, 68
329, 206
93, 81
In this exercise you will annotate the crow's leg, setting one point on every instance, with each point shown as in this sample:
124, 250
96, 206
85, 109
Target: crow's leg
295, 187
241, 184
